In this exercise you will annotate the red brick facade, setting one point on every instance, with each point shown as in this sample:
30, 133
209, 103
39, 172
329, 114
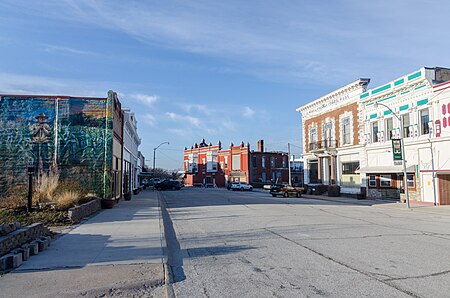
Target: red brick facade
212, 165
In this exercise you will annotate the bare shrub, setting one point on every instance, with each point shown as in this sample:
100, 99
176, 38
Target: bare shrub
46, 187
67, 199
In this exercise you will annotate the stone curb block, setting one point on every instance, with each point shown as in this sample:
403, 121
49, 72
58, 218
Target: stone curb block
3, 263
25, 252
46, 239
43, 245
13, 260
34, 247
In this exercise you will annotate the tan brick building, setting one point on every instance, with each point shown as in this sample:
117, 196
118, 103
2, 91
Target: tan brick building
331, 138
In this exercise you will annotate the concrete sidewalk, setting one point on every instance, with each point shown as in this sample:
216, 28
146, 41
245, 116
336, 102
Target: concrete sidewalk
118, 252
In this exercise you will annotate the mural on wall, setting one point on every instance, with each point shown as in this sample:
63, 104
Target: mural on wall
73, 135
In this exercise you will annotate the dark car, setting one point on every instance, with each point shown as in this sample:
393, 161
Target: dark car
168, 184
285, 191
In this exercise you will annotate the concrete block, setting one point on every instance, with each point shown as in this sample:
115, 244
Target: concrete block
24, 251
3, 263
13, 260
47, 239
43, 245
34, 248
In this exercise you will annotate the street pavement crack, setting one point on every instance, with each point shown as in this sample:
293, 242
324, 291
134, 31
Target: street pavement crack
368, 274
420, 276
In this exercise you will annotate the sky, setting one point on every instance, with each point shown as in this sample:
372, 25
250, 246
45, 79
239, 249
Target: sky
233, 71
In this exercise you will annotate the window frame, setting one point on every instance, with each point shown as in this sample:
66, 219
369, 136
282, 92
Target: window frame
384, 176
406, 130
422, 124
375, 138
372, 180
389, 133
345, 122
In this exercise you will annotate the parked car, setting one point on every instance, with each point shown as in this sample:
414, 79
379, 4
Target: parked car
168, 184
286, 191
154, 181
241, 186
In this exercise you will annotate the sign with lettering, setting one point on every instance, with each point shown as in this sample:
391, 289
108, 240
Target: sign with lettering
397, 150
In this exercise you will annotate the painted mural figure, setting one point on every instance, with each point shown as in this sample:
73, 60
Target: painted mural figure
40, 133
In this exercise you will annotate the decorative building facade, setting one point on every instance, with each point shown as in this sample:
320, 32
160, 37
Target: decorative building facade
81, 138
330, 131
211, 165
414, 107
131, 160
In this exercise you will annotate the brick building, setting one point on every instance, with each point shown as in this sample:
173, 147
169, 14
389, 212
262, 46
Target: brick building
207, 164
331, 136
268, 166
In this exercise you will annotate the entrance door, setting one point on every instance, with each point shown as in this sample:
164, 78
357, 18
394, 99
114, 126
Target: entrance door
444, 189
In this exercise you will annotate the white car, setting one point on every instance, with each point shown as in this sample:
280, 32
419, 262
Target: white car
241, 186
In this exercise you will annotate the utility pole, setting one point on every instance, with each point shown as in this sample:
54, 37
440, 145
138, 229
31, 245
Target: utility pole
289, 163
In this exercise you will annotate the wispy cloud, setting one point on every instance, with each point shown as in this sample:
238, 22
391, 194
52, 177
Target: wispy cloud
63, 49
148, 100
149, 119
198, 107
248, 112
28, 84
186, 119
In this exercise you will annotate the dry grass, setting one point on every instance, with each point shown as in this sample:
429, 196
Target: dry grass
67, 199
15, 197
46, 187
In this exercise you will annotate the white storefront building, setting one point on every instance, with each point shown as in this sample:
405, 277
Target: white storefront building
422, 101
131, 159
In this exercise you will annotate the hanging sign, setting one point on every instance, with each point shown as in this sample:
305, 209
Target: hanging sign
397, 150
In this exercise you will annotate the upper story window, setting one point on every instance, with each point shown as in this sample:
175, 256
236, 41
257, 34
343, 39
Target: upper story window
374, 132
313, 136
263, 162
284, 161
254, 161
346, 131
327, 129
389, 127
226, 162
424, 119
272, 161
236, 162
406, 124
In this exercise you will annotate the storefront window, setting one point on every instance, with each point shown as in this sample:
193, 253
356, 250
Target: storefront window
372, 181
385, 180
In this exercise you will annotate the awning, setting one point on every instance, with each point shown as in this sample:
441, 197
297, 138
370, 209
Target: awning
386, 169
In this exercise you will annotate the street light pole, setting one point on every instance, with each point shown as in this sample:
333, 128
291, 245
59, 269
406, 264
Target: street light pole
154, 156
402, 144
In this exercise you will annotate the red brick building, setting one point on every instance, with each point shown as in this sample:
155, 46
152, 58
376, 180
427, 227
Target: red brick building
268, 166
212, 165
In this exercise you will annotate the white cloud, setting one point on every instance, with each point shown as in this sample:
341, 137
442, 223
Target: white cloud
186, 119
191, 107
148, 100
149, 119
248, 112
28, 84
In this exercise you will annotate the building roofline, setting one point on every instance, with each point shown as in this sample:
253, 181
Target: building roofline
358, 82
52, 96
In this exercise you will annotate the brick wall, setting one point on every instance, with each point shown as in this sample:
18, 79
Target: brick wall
332, 115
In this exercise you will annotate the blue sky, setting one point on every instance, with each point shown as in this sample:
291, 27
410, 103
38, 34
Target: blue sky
220, 70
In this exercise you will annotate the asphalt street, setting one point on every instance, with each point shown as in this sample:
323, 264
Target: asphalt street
247, 244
